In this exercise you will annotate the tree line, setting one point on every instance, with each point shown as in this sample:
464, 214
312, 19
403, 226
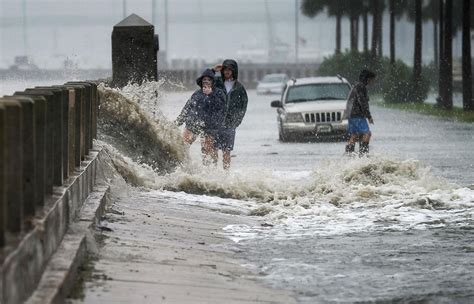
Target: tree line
447, 16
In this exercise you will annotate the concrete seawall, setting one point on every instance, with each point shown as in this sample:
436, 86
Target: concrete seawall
23, 266
48, 171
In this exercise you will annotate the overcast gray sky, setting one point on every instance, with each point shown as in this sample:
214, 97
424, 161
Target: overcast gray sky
81, 29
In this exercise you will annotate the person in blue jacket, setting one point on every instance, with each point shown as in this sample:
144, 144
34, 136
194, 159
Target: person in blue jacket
204, 114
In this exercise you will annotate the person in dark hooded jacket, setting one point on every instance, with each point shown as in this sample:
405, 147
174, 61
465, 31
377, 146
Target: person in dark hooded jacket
358, 112
236, 106
204, 114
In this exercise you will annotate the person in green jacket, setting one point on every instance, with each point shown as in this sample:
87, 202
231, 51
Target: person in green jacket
226, 78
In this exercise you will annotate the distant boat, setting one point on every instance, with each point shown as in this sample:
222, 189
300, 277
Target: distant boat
22, 63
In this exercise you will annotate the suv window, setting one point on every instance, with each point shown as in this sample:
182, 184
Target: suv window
273, 78
317, 91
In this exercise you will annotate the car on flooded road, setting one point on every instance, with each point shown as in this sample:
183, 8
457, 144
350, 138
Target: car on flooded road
272, 84
312, 107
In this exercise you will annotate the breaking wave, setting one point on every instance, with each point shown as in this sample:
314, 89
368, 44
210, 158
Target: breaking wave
341, 196
126, 122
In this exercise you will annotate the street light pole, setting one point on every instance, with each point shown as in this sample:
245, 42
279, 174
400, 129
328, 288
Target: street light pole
25, 39
153, 12
296, 31
124, 8
166, 28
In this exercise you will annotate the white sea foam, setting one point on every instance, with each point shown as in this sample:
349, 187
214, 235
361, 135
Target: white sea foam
339, 196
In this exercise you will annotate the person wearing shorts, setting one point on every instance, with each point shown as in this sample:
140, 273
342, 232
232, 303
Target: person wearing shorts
358, 113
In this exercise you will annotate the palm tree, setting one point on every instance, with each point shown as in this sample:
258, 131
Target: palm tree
446, 61
466, 58
418, 48
354, 9
375, 32
441, 54
432, 12
312, 8
336, 8
396, 9
365, 22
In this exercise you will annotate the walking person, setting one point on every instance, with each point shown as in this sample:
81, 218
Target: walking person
358, 113
236, 106
203, 114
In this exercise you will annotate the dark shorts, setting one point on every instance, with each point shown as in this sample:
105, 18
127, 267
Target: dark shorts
195, 128
224, 139
358, 126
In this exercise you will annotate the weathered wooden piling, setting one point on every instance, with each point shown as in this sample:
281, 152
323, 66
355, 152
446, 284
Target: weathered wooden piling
13, 165
29, 155
79, 128
57, 134
2, 177
87, 112
49, 140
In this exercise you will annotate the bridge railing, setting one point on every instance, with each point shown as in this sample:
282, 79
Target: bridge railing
45, 133
249, 74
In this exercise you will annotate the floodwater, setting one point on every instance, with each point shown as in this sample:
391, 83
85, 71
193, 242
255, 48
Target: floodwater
394, 227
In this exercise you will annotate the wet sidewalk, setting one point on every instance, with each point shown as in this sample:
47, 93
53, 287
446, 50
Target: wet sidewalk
156, 249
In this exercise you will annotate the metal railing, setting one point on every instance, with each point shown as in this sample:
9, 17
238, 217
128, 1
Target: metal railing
45, 133
249, 74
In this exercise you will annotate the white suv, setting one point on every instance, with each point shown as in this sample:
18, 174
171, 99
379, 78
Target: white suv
312, 107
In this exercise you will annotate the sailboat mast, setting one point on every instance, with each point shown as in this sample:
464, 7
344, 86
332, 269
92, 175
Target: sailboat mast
166, 28
153, 12
271, 38
297, 35
25, 37
124, 8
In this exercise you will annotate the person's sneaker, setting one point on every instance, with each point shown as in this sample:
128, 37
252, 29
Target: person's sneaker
363, 149
350, 148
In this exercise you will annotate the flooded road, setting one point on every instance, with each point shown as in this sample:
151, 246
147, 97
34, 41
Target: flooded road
394, 227
408, 238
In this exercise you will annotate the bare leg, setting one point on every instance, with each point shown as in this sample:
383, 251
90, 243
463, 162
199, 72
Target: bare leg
226, 159
364, 145
351, 143
366, 138
208, 150
189, 137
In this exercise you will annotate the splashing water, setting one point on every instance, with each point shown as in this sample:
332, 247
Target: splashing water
146, 137
339, 196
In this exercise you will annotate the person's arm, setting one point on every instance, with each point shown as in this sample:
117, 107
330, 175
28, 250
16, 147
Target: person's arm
186, 111
220, 108
218, 79
364, 104
242, 108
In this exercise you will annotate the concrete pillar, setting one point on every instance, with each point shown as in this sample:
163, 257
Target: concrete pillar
81, 117
60, 132
2, 177
94, 111
134, 51
56, 118
74, 98
88, 101
65, 126
78, 123
13, 165
49, 142
29, 155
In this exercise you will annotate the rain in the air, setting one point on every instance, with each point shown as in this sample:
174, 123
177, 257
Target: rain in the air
251, 151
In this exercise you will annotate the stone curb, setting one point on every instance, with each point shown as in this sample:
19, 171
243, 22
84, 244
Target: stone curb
61, 271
